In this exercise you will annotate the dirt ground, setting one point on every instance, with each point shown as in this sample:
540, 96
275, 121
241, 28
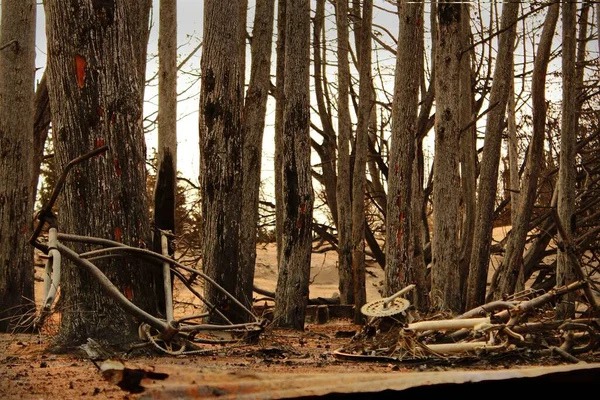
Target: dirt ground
29, 371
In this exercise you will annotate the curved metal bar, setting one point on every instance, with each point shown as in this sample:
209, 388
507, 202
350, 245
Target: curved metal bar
65, 237
175, 263
112, 291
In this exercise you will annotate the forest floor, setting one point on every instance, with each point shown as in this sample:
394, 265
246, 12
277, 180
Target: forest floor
281, 364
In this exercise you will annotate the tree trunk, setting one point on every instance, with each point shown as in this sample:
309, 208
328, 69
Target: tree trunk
17, 71
468, 149
445, 283
488, 177
513, 151
253, 125
512, 264
279, 104
166, 177
96, 101
221, 149
294, 266
360, 160
400, 267
344, 182
568, 139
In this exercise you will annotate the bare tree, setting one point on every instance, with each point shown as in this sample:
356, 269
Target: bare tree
344, 186
221, 145
512, 265
97, 101
166, 175
568, 139
294, 262
279, 105
445, 281
17, 71
488, 177
253, 126
468, 150
360, 159
400, 225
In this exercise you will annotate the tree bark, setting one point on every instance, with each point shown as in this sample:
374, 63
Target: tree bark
279, 104
253, 125
512, 264
488, 177
95, 101
17, 71
344, 181
294, 265
445, 283
568, 139
400, 224
166, 177
221, 150
358, 173
468, 149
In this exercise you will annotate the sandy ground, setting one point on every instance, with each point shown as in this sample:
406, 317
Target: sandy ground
28, 371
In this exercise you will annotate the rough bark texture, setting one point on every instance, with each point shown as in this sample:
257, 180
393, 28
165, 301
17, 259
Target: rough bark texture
17, 71
294, 264
488, 177
512, 265
568, 140
280, 101
360, 160
96, 64
166, 175
445, 284
468, 150
253, 125
400, 268
344, 187
221, 146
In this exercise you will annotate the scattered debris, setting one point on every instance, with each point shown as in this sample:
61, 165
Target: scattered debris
128, 378
524, 325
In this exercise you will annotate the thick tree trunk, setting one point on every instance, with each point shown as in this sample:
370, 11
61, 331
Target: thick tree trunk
512, 265
568, 139
294, 266
488, 177
344, 182
445, 283
360, 160
17, 71
253, 126
221, 149
98, 101
400, 224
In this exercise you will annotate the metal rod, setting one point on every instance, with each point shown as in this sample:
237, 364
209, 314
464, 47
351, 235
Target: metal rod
164, 243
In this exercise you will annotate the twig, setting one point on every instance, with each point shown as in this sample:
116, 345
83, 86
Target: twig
14, 41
